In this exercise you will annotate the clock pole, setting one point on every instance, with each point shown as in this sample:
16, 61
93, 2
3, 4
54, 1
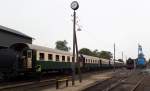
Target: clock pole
74, 6
73, 61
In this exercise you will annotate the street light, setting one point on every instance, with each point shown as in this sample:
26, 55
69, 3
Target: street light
74, 6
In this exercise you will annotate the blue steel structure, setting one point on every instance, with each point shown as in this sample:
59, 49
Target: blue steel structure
140, 63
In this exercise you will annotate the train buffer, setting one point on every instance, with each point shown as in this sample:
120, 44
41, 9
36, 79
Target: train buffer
59, 80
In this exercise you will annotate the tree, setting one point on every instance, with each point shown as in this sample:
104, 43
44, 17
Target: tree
120, 60
105, 55
95, 53
86, 51
62, 45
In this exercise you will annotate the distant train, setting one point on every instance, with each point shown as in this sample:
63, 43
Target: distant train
138, 63
21, 58
130, 63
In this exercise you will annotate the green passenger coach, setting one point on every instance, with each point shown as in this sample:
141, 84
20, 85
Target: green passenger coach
28, 58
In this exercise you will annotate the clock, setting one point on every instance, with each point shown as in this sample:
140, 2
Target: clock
74, 5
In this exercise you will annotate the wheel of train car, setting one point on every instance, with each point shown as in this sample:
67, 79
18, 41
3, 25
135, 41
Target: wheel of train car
1, 76
6, 76
9, 75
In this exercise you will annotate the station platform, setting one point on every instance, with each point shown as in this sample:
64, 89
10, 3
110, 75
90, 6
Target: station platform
87, 82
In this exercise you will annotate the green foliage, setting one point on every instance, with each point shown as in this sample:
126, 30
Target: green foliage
105, 54
96, 53
85, 51
120, 60
62, 45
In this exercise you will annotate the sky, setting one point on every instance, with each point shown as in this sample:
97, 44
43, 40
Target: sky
103, 22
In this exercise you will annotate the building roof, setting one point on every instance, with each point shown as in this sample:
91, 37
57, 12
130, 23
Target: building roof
2, 28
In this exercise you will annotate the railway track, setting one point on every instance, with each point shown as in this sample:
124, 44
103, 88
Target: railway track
130, 83
144, 83
24, 86
121, 82
137, 85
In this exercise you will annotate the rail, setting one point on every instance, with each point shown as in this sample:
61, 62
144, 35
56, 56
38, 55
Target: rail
138, 84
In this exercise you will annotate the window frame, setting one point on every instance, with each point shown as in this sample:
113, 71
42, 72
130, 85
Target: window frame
63, 58
57, 59
50, 57
68, 57
40, 57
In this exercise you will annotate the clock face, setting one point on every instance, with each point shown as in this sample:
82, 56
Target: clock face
74, 5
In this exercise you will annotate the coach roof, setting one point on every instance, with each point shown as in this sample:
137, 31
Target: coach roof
46, 49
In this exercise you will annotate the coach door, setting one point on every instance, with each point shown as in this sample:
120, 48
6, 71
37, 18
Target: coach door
100, 63
29, 58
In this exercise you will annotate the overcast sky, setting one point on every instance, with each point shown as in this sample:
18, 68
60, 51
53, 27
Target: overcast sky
104, 22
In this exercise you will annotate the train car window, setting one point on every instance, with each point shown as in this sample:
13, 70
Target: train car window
50, 57
29, 54
41, 56
100, 61
63, 58
68, 59
89, 60
72, 58
57, 57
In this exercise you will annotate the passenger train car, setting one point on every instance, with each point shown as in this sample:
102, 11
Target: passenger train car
23, 58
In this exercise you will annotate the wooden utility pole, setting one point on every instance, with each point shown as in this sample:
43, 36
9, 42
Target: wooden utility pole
114, 55
122, 56
78, 60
